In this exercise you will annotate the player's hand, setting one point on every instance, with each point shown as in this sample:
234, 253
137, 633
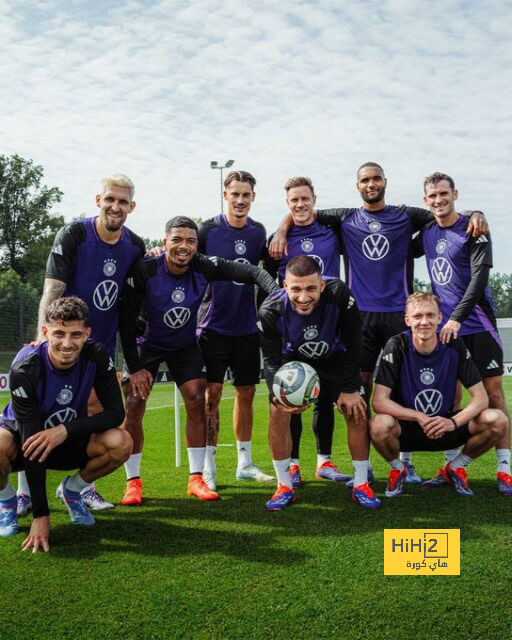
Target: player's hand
155, 252
352, 406
43, 442
40, 338
39, 535
278, 247
437, 426
477, 224
449, 331
141, 382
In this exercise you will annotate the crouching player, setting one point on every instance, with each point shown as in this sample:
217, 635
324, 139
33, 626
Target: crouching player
415, 395
324, 317
45, 426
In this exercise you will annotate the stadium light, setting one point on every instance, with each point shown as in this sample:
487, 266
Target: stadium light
215, 165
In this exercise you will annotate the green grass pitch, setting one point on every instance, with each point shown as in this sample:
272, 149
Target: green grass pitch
178, 568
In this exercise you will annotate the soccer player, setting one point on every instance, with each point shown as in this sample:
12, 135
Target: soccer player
46, 426
415, 395
376, 246
227, 324
90, 259
308, 237
312, 310
171, 287
459, 271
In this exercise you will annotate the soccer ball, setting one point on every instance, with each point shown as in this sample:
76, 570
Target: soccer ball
296, 384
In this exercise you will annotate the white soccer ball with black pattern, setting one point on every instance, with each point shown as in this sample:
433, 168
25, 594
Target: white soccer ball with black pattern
296, 384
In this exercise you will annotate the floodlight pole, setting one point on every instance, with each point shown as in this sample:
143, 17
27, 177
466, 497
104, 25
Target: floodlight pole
215, 165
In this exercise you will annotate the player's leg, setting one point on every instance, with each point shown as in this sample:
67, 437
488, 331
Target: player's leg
215, 350
385, 434
8, 504
359, 446
296, 433
135, 408
280, 444
95, 456
323, 428
245, 362
483, 432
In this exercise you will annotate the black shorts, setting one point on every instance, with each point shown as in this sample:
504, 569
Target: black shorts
486, 353
378, 328
71, 454
413, 438
183, 365
240, 353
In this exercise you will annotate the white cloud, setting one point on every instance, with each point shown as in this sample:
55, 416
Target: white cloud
158, 89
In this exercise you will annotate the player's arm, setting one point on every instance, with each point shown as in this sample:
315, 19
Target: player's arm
481, 263
107, 389
270, 339
215, 268
130, 305
59, 268
382, 403
420, 218
25, 404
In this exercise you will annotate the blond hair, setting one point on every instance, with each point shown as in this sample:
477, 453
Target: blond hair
119, 180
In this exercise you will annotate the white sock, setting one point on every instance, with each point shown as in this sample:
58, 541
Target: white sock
360, 471
209, 458
320, 459
406, 456
196, 457
7, 492
396, 464
22, 483
77, 483
244, 453
282, 468
462, 460
503, 460
449, 455
132, 466
295, 461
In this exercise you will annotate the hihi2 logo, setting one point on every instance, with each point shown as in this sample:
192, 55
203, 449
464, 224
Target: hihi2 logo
421, 552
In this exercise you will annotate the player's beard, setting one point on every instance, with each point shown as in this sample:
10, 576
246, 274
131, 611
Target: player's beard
374, 198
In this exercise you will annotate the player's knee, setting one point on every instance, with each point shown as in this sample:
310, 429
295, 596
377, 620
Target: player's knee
245, 394
194, 398
213, 396
119, 445
8, 448
381, 426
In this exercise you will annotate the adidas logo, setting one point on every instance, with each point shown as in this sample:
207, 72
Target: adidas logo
481, 239
110, 364
130, 282
492, 365
388, 358
58, 250
20, 392
350, 302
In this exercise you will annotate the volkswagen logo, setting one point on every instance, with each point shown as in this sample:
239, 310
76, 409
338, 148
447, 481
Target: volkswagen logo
428, 401
314, 349
375, 246
441, 271
177, 317
105, 295
60, 417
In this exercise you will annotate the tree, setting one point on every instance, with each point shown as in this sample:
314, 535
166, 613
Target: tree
27, 227
500, 285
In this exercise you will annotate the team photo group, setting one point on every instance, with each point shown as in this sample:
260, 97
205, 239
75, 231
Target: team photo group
222, 295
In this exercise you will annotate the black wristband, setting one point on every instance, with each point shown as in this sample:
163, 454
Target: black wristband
454, 423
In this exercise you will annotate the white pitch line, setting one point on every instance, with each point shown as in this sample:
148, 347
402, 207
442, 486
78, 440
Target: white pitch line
168, 406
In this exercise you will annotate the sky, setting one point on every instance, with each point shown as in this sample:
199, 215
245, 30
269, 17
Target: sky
157, 89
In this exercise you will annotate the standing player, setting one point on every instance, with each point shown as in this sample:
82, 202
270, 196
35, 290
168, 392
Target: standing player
308, 237
90, 259
171, 288
459, 271
376, 246
227, 323
309, 309
46, 426
415, 396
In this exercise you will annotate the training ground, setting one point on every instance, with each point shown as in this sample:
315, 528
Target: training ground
178, 568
